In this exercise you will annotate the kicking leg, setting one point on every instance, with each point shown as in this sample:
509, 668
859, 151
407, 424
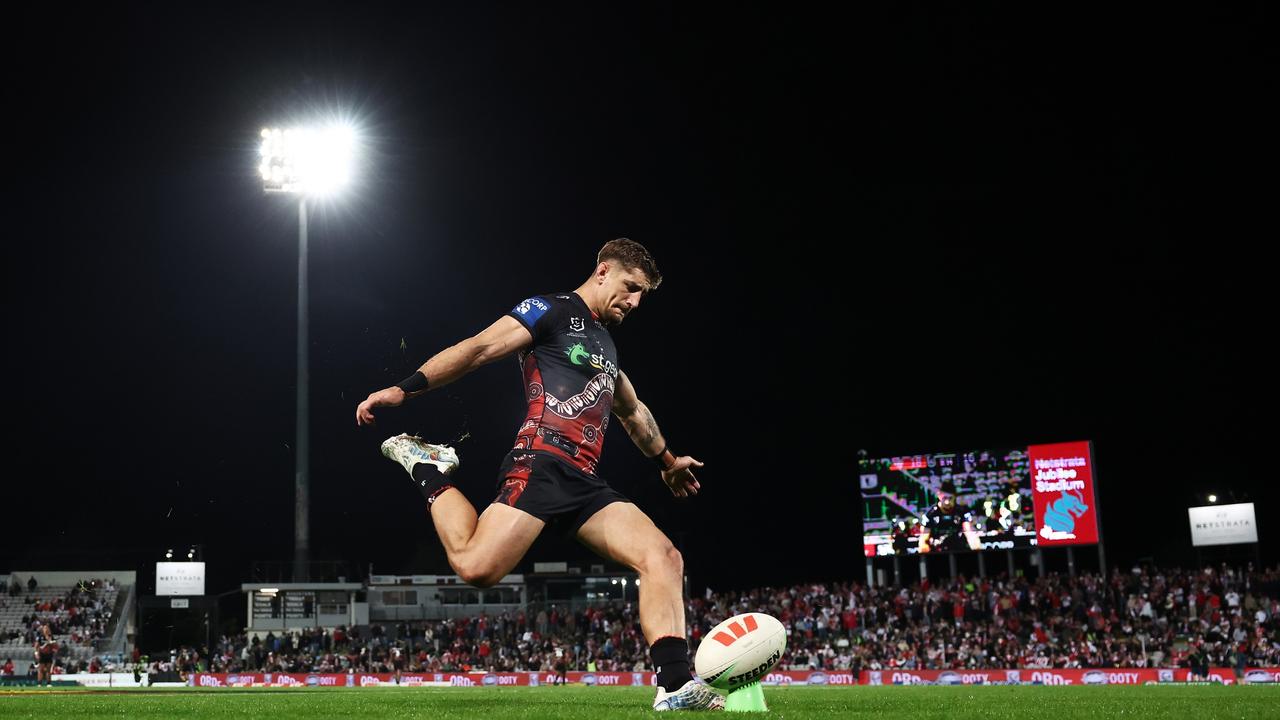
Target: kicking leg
482, 550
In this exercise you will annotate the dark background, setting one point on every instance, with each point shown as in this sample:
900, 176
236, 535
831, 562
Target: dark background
919, 231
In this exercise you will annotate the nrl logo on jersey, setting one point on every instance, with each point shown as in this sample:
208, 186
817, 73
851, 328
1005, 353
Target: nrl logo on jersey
576, 324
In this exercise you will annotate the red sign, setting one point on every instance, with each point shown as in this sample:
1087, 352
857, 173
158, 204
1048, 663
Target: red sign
1047, 676
1021, 676
1062, 494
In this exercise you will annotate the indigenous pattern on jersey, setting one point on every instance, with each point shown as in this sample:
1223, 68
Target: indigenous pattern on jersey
570, 373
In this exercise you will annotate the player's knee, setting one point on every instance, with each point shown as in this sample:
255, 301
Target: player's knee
665, 560
479, 573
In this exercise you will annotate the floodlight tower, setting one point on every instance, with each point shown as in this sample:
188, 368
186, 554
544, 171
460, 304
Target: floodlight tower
305, 162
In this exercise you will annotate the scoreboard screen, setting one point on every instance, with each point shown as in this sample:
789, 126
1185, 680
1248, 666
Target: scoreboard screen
947, 502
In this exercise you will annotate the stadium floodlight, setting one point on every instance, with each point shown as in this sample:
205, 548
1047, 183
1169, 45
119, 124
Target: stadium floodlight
191, 554
306, 162
1213, 498
168, 554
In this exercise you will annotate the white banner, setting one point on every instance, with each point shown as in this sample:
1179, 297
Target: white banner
180, 578
104, 679
1223, 524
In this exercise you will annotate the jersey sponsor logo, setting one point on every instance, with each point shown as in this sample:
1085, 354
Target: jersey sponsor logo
531, 309
557, 440
578, 355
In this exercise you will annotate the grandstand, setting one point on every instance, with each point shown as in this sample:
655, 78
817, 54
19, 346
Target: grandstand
1145, 619
89, 613
1199, 623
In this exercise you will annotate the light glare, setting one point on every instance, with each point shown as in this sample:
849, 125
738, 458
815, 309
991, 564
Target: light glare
314, 161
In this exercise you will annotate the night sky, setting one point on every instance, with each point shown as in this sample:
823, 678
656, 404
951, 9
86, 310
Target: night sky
911, 232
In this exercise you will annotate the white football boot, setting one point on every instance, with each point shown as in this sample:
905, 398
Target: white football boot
409, 450
693, 695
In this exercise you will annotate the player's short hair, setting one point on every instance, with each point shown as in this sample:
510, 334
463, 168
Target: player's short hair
633, 256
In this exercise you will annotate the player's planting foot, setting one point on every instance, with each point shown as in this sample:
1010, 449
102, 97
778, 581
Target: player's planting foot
693, 695
409, 450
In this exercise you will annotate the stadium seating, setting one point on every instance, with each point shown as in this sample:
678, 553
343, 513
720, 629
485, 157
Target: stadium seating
77, 614
1140, 618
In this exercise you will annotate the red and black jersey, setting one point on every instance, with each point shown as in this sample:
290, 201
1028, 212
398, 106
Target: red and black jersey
570, 373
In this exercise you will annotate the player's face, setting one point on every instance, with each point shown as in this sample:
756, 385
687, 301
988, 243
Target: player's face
946, 502
624, 289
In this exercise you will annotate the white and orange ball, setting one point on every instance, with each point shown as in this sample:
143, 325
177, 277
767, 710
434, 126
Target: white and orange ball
740, 650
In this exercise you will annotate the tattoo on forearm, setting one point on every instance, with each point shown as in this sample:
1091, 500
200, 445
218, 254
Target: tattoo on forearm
651, 429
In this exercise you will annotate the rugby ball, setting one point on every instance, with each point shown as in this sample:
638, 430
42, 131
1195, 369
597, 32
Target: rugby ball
740, 650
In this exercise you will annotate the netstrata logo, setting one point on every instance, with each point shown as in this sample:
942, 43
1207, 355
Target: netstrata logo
1217, 524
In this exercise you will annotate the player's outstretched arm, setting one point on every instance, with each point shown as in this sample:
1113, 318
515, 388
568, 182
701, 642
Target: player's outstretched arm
495, 342
677, 470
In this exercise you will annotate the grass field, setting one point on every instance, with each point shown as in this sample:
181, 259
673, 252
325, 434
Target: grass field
588, 703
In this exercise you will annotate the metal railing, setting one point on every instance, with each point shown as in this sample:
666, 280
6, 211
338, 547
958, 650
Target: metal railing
119, 639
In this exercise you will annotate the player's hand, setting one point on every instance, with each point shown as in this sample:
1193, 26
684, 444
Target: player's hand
388, 397
679, 477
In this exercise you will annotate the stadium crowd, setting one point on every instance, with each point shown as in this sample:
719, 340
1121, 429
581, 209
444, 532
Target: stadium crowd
79, 616
1143, 618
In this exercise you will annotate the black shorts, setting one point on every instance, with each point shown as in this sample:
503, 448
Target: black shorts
551, 490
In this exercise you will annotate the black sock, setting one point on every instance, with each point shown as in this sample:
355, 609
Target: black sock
671, 658
430, 481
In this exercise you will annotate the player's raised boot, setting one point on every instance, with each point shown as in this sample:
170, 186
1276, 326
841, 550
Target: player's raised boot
409, 450
428, 464
693, 695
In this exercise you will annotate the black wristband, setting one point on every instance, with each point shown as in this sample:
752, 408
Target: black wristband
659, 459
416, 382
